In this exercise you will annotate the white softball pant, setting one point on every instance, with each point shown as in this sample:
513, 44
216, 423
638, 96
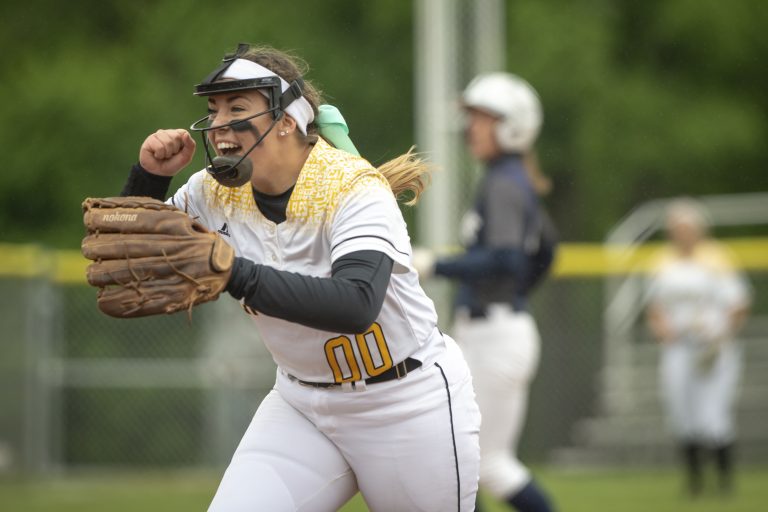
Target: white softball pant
502, 351
404, 444
699, 405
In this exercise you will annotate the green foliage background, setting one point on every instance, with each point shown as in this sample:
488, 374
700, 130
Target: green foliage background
642, 99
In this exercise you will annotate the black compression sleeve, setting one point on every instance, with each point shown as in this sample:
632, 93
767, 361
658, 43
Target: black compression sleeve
143, 183
347, 302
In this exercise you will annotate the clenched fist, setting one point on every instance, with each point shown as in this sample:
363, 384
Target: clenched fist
166, 152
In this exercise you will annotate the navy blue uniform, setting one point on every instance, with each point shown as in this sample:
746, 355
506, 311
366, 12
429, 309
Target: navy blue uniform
510, 248
513, 246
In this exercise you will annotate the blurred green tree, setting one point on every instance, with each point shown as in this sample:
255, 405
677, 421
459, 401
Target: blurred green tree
85, 82
642, 99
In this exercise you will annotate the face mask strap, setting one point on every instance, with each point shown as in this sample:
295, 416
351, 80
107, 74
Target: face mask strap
227, 61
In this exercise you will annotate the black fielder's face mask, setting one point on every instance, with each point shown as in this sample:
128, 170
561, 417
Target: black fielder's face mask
235, 171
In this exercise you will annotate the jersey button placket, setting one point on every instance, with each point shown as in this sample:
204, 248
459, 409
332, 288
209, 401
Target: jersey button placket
274, 241
274, 231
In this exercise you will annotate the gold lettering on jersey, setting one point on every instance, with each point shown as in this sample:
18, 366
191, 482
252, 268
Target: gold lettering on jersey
327, 177
119, 217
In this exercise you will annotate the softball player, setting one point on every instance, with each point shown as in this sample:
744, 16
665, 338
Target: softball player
509, 248
370, 396
697, 301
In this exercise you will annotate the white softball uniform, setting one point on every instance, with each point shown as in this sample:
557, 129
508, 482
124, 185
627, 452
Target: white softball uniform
697, 297
492, 324
407, 445
502, 351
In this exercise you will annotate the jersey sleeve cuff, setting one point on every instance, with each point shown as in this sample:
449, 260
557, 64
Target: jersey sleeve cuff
401, 259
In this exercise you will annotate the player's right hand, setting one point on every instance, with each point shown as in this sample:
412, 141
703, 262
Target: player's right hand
166, 152
423, 261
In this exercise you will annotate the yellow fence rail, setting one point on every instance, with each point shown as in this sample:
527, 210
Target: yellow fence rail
573, 260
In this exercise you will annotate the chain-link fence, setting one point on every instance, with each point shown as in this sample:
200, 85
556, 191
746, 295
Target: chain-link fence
627, 425
84, 389
80, 389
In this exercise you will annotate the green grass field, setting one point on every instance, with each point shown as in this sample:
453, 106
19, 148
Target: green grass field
582, 491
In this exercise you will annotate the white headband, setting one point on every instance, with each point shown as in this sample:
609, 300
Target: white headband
300, 109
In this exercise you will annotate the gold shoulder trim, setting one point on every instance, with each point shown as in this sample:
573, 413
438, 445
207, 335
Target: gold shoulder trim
328, 175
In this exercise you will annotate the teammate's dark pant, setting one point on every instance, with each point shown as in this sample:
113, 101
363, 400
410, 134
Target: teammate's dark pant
693, 453
692, 459
528, 499
724, 460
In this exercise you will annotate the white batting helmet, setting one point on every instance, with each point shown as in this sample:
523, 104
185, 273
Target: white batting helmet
516, 104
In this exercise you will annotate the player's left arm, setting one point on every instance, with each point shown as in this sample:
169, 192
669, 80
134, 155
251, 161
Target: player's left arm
368, 241
348, 302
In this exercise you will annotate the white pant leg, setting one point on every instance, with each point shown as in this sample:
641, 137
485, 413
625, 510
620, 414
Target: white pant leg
503, 353
676, 373
411, 447
284, 464
717, 393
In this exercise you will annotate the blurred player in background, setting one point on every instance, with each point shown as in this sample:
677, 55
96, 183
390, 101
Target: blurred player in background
697, 303
369, 395
510, 245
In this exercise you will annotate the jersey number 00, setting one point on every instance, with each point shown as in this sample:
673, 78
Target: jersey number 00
373, 351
